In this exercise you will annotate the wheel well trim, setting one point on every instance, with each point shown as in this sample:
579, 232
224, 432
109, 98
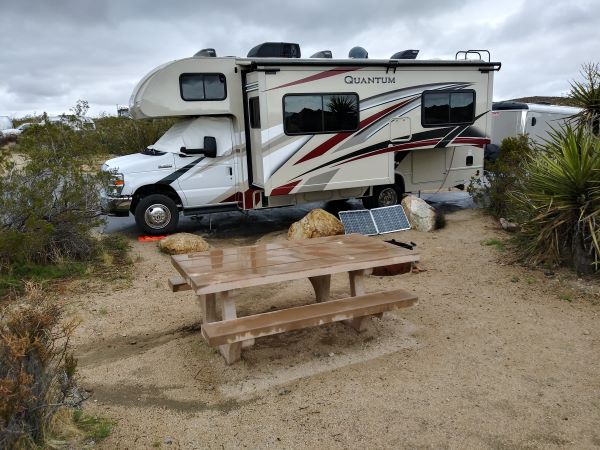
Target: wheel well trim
149, 189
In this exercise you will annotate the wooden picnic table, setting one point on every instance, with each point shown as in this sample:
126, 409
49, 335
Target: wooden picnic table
214, 274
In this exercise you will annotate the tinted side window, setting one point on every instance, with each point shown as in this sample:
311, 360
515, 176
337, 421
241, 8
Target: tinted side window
202, 86
340, 112
254, 107
447, 108
317, 113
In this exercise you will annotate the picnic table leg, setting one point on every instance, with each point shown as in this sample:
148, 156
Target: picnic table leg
357, 287
208, 305
321, 285
231, 352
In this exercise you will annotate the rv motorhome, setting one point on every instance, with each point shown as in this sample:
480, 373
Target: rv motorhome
273, 129
511, 119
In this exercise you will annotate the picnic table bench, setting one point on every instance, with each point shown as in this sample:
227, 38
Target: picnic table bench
214, 274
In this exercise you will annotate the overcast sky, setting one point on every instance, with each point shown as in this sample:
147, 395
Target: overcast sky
54, 52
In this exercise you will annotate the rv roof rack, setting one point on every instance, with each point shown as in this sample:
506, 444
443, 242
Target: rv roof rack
275, 50
466, 53
405, 54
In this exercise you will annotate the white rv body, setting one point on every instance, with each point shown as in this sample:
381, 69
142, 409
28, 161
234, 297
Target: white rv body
510, 119
290, 130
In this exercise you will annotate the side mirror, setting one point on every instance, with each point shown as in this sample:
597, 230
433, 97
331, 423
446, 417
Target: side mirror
210, 147
209, 150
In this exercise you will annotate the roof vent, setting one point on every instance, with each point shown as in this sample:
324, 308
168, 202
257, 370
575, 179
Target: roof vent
323, 54
406, 54
275, 50
207, 52
358, 52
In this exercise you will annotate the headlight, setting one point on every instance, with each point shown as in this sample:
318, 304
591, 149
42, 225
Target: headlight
116, 184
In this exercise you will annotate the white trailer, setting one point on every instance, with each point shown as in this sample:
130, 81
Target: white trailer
273, 130
511, 119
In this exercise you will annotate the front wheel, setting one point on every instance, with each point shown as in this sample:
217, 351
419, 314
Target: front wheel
387, 195
157, 214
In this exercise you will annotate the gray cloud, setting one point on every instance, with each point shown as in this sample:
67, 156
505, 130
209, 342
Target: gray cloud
57, 52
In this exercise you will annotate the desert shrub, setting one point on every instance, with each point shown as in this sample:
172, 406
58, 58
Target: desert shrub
36, 368
502, 176
586, 95
122, 136
111, 136
49, 207
560, 199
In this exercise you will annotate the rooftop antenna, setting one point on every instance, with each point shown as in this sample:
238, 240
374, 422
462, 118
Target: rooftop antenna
358, 53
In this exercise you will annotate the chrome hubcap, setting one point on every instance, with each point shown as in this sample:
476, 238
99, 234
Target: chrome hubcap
157, 216
388, 197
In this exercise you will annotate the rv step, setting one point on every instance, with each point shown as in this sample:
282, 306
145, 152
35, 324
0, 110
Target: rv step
274, 322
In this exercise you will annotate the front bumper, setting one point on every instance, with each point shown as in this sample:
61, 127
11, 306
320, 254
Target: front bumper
115, 206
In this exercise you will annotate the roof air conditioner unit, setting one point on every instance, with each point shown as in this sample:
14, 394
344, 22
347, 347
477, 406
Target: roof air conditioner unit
275, 50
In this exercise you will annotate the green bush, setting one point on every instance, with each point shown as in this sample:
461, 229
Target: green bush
504, 175
50, 205
586, 95
112, 136
560, 199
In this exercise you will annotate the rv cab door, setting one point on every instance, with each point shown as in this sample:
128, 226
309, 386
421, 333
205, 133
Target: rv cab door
205, 180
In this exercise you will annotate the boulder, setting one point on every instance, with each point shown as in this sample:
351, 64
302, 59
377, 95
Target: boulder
179, 243
316, 223
508, 226
420, 214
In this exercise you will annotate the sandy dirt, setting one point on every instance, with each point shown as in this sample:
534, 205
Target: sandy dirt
494, 356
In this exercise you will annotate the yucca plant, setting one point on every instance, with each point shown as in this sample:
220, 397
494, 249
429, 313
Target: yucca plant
561, 197
586, 95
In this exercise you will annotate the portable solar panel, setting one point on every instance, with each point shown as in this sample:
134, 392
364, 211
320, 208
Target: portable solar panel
358, 221
382, 220
389, 219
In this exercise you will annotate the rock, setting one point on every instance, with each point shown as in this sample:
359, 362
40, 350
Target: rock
317, 223
420, 214
508, 226
180, 243
168, 440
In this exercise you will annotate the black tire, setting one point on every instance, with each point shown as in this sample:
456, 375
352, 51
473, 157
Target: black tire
157, 214
387, 195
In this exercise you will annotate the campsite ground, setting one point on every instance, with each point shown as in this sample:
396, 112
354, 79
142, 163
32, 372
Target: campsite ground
495, 355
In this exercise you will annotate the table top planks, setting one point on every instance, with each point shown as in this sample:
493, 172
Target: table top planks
221, 270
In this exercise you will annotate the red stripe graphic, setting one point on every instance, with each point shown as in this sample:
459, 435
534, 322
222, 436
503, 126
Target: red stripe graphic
405, 146
475, 141
318, 76
333, 141
285, 189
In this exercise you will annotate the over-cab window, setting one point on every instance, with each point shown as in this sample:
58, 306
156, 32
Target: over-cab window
320, 113
202, 86
448, 108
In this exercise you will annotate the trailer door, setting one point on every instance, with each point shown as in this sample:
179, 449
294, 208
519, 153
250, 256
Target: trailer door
253, 123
